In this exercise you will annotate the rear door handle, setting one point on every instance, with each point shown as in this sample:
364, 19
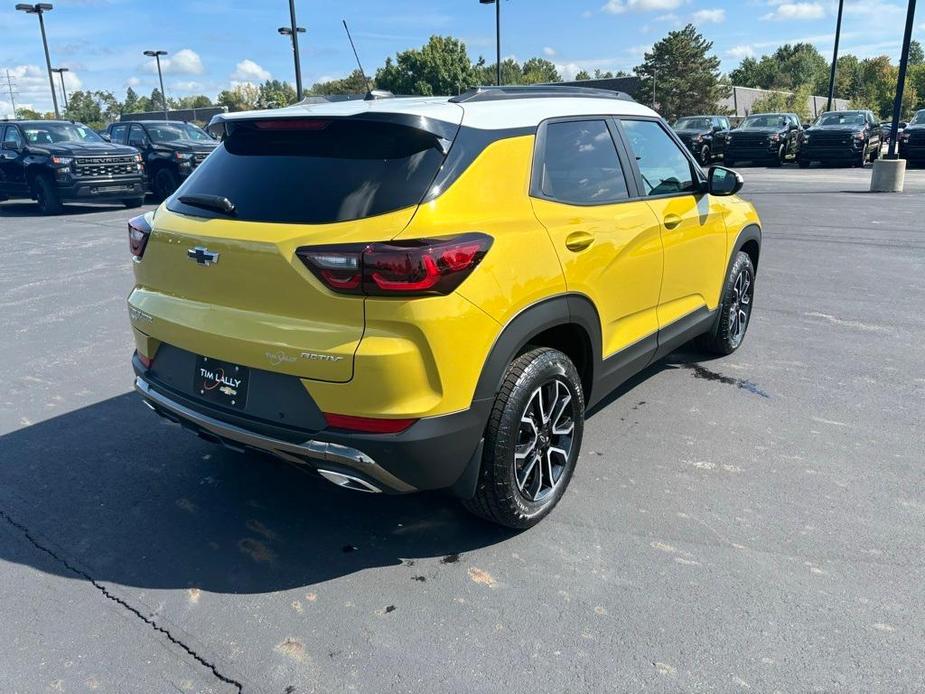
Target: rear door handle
579, 241
672, 221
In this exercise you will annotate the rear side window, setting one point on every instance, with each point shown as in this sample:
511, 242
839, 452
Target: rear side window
315, 171
580, 164
665, 169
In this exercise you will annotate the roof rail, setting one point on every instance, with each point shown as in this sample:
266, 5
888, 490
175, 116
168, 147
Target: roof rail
539, 91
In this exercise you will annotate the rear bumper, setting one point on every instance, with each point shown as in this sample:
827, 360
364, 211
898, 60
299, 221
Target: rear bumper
434, 453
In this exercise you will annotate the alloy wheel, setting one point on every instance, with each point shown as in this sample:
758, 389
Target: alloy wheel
544, 440
741, 308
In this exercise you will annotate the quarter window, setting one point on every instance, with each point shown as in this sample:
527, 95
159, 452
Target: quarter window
580, 164
664, 167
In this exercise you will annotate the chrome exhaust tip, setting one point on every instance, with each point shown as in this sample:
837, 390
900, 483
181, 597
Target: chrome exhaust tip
349, 482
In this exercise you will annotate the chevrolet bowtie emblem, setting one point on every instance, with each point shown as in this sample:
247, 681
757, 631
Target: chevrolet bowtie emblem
202, 255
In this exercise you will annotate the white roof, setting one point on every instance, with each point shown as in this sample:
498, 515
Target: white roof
483, 114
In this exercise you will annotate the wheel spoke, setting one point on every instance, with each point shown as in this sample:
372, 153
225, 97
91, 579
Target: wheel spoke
522, 480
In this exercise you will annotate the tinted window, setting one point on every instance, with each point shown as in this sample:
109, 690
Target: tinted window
664, 167
117, 134
580, 164
136, 136
53, 133
336, 170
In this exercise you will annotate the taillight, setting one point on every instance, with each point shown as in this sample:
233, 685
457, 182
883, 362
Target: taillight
145, 361
409, 268
138, 232
367, 425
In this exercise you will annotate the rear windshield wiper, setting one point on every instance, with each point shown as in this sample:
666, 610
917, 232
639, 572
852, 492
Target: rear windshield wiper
219, 203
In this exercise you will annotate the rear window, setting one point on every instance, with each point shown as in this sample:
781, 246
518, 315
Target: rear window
315, 172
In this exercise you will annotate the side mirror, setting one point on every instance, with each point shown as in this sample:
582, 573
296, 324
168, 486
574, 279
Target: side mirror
722, 181
106, 137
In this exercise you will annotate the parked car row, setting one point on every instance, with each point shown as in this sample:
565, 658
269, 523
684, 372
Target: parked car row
57, 161
836, 137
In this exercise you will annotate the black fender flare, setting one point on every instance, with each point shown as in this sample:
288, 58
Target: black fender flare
750, 232
563, 309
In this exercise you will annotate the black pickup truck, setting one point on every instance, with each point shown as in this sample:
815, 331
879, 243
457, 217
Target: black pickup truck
54, 161
704, 136
765, 138
171, 149
912, 140
842, 137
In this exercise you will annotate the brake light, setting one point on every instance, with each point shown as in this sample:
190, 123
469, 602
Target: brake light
412, 268
367, 425
138, 232
145, 361
292, 124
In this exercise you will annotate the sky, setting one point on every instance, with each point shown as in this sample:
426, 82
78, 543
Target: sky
213, 45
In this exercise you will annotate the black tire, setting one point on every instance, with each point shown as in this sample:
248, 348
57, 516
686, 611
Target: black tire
728, 161
706, 157
875, 153
132, 203
804, 163
779, 159
164, 184
729, 336
859, 162
43, 188
500, 497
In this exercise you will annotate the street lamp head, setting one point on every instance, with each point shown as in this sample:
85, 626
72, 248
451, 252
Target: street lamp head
152, 54
35, 9
487, 2
284, 31
61, 69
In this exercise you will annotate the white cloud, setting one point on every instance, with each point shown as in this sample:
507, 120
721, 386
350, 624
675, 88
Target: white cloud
707, 16
132, 82
183, 62
188, 86
249, 71
549, 51
621, 6
796, 11
30, 87
740, 52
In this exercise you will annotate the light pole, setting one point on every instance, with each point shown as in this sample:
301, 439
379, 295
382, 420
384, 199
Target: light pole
61, 71
497, 4
901, 80
293, 32
841, 6
40, 9
157, 56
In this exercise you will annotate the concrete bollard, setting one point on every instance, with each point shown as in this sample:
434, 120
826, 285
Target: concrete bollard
888, 176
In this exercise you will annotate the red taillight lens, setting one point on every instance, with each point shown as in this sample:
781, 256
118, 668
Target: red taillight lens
415, 268
292, 124
367, 425
138, 232
145, 361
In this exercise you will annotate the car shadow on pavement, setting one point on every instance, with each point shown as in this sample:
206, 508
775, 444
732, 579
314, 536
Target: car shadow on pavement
30, 209
126, 497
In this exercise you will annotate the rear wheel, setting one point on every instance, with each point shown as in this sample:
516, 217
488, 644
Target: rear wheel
531, 441
43, 188
735, 310
164, 184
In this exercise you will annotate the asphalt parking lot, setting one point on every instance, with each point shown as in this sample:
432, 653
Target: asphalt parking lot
749, 523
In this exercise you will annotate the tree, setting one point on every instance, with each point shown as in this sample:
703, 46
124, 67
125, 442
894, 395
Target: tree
916, 54
752, 73
275, 94
915, 80
540, 71
685, 75
788, 68
441, 66
130, 103
486, 74
194, 101
582, 75
31, 114
241, 97
847, 77
96, 109
797, 102
354, 83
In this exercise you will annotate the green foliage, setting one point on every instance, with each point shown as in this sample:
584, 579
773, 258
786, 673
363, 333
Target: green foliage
791, 66
30, 114
797, 102
582, 75
354, 83
915, 81
441, 66
241, 97
916, 54
96, 109
685, 76
276, 94
540, 71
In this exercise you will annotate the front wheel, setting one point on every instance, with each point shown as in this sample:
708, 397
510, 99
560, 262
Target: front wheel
47, 196
875, 153
804, 163
735, 309
164, 184
531, 441
132, 203
705, 155
781, 156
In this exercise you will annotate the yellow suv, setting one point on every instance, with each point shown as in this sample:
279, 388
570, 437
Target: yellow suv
428, 293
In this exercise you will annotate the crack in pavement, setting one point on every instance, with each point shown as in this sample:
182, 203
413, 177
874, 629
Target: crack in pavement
102, 589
